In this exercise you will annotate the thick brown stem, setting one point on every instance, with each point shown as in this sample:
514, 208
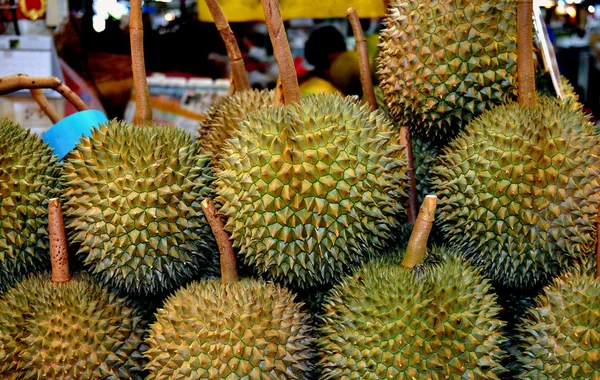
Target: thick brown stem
417, 245
525, 67
228, 263
363, 59
45, 106
59, 255
238, 71
143, 107
413, 207
18, 82
283, 54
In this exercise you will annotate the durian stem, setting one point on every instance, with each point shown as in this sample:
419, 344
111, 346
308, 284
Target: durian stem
45, 106
413, 207
59, 255
598, 244
240, 76
525, 67
12, 83
281, 48
363, 59
228, 262
417, 244
143, 107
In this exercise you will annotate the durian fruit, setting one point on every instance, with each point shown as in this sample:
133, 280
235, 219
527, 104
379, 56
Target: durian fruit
519, 190
443, 62
224, 117
560, 336
388, 320
52, 329
75, 330
229, 329
28, 176
543, 84
311, 187
132, 204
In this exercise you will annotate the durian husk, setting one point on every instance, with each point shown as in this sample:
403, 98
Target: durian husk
72, 330
29, 176
241, 330
519, 190
224, 117
388, 322
132, 204
312, 189
443, 62
560, 336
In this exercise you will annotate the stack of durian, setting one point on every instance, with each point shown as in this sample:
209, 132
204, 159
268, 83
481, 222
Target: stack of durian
311, 194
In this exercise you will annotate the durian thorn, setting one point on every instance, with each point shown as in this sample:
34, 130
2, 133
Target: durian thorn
281, 49
363, 59
525, 66
16, 82
59, 255
598, 243
278, 98
143, 108
413, 207
229, 271
238, 71
45, 106
417, 244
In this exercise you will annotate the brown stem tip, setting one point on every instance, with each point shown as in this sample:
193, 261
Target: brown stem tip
413, 207
12, 83
228, 262
59, 256
143, 108
417, 245
363, 59
525, 66
45, 106
283, 54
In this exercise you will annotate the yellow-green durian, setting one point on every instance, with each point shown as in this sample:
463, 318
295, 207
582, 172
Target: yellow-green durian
132, 206
312, 188
519, 190
443, 62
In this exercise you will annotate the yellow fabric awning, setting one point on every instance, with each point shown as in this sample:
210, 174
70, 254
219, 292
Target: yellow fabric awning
251, 10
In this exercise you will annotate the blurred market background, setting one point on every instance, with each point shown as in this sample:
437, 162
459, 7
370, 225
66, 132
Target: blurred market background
86, 43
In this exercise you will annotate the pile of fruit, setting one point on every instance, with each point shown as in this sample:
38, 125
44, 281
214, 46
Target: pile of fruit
311, 194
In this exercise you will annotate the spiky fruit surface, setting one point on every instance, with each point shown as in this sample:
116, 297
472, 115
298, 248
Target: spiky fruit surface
311, 187
242, 330
28, 178
544, 85
223, 118
519, 190
561, 335
442, 62
72, 330
132, 203
389, 322
424, 155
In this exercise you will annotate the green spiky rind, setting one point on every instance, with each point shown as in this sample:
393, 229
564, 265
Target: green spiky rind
444, 62
389, 322
75, 330
424, 155
246, 329
311, 188
561, 335
223, 118
132, 203
519, 190
28, 178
